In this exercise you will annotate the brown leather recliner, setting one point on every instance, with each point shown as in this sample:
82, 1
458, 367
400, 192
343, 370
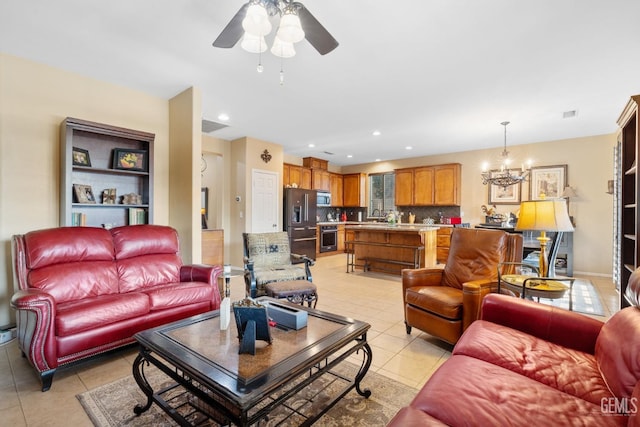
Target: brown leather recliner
444, 301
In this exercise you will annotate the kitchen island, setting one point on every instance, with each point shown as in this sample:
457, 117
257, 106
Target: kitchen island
390, 248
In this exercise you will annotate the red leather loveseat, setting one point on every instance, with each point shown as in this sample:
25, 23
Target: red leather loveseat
85, 290
529, 364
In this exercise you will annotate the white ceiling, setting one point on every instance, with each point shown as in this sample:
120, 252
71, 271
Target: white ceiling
437, 75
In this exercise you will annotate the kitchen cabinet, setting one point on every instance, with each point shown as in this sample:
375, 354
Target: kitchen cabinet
320, 180
97, 191
404, 187
443, 242
336, 184
315, 163
294, 174
437, 185
355, 190
341, 238
628, 221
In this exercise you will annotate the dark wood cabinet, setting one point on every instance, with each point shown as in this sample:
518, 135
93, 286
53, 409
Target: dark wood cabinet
629, 221
89, 154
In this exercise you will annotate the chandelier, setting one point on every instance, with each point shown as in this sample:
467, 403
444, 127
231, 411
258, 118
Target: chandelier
506, 176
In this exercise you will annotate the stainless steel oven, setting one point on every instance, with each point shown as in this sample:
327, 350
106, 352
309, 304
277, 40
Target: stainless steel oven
328, 238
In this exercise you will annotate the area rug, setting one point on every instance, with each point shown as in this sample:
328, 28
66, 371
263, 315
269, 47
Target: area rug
585, 299
112, 404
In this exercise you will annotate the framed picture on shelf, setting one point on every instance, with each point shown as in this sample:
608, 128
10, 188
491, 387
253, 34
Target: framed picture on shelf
499, 195
81, 157
83, 193
547, 182
133, 160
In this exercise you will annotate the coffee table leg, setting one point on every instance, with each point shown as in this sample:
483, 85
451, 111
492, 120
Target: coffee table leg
366, 363
138, 375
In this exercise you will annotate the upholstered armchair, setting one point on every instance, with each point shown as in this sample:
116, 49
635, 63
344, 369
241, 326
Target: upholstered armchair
444, 301
268, 258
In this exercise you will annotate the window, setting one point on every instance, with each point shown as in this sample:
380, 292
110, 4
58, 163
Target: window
382, 194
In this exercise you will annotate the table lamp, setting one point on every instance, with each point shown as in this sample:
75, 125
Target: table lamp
544, 215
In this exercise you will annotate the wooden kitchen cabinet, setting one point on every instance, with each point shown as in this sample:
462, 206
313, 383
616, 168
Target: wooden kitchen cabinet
315, 163
320, 180
446, 184
294, 174
336, 183
404, 187
443, 243
355, 190
429, 185
423, 191
341, 238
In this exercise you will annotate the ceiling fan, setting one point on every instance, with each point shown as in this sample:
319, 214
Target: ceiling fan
251, 24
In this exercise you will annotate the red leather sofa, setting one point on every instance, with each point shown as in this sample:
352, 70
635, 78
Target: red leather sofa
529, 364
85, 290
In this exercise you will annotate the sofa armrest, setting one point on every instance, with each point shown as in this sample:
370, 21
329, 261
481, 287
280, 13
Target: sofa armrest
566, 328
35, 318
203, 273
473, 293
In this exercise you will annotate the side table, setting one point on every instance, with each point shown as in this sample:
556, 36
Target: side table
538, 287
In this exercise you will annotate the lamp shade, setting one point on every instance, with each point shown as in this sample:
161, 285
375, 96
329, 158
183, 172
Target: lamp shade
282, 49
256, 21
290, 29
254, 44
544, 215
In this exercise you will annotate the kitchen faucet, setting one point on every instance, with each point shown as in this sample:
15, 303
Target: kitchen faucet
373, 213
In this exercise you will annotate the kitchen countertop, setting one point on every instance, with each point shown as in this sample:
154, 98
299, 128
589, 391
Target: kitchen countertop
379, 225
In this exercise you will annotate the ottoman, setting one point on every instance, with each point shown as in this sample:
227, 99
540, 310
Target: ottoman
295, 291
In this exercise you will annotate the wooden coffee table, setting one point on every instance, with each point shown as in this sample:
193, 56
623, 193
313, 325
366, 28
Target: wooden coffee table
211, 380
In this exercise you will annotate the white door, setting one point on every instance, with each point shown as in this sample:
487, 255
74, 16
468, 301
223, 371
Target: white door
264, 202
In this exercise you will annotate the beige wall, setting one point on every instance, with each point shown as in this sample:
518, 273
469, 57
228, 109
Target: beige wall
590, 166
245, 157
34, 100
185, 136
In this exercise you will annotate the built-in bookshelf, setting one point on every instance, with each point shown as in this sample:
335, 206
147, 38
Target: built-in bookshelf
629, 242
106, 175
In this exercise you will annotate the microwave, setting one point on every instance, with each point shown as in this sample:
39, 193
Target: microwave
324, 198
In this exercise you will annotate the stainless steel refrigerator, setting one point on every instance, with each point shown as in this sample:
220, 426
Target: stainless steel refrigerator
300, 220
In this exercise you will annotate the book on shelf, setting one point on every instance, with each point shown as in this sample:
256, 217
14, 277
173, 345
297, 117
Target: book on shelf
78, 219
137, 216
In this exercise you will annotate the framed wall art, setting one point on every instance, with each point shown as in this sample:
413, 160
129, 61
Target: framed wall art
83, 193
133, 160
81, 157
499, 195
547, 182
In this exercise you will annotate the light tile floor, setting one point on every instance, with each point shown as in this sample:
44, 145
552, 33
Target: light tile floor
374, 298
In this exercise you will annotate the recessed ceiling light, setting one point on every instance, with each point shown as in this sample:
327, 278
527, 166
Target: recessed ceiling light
408, 148
376, 133
312, 145
349, 156
378, 160
223, 117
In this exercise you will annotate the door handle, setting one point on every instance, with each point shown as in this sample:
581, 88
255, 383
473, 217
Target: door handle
304, 239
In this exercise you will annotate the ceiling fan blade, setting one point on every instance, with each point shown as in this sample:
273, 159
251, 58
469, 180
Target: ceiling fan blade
315, 33
233, 32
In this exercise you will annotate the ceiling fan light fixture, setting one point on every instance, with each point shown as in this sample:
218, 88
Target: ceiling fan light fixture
290, 29
282, 49
254, 44
256, 21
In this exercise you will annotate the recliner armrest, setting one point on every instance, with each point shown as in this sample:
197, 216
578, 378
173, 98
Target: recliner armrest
562, 327
203, 273
472, 294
